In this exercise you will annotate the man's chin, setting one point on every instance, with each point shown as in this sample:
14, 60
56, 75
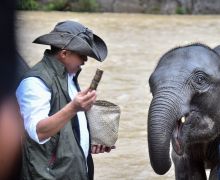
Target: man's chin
77, 69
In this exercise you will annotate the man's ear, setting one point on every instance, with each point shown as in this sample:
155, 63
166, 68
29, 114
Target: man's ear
62, 54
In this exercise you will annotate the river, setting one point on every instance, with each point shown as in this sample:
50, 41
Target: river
135, 43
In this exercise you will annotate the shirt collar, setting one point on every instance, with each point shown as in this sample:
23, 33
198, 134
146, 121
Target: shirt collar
55, 63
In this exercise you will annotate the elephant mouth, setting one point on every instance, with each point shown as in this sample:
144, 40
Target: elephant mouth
177, 136
191, 128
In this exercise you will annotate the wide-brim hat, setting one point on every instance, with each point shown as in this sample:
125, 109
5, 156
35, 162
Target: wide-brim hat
75, 37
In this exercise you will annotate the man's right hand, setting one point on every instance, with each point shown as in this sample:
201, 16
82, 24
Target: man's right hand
84, 100
49, 126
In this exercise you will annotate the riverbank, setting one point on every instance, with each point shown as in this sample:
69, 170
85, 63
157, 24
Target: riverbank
125, 6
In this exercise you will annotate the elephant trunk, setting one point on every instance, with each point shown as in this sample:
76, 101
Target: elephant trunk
163, 113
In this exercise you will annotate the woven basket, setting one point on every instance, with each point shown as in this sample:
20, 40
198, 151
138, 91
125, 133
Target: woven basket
103, 120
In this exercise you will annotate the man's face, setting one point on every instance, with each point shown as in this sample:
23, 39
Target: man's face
73, 61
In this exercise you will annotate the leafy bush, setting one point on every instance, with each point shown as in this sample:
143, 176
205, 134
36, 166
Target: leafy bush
182, 10
27, 5
58, 5
87, 5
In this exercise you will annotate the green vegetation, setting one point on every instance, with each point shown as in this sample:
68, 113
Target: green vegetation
27, 5
88, 5
181, 10
59, 5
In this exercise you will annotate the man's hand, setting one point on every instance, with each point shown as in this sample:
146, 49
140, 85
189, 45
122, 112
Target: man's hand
84, 100
96, 149
51, 125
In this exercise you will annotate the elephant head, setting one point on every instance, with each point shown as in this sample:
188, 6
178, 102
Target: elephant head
185, 108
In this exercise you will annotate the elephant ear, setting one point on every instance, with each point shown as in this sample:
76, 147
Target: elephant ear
217, 49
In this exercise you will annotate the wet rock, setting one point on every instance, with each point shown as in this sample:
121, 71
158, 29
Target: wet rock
169, 7
206, 7
128, 6
152, 6
159, 6
106, 6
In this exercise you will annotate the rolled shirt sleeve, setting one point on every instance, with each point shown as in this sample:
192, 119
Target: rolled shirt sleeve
33, 98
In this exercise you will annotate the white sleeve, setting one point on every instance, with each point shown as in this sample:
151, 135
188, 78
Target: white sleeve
33, 98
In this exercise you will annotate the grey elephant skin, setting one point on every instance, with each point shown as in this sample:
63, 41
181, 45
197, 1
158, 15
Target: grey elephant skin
185, 110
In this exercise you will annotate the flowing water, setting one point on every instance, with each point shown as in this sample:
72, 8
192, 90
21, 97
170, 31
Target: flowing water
135, 43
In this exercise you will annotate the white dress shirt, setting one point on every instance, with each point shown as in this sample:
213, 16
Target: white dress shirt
34, 100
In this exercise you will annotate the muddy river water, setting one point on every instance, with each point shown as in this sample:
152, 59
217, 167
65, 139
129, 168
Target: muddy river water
135, 43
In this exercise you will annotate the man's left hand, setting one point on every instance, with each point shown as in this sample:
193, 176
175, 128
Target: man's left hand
96, 149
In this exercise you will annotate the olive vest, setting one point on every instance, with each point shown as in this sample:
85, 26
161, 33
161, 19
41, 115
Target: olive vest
60, 158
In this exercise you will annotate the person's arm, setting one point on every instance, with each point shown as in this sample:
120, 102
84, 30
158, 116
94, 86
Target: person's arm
51, 125
34, 100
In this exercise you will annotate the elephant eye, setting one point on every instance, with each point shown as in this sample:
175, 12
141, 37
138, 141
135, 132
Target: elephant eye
200, 80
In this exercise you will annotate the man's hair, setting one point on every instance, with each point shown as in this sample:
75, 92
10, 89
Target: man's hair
54, 50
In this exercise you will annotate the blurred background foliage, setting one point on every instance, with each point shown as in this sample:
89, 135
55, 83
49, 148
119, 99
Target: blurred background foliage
27, 5
59, 5
126, 6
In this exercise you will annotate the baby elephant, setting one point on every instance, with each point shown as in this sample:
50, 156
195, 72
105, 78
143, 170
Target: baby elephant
185, 110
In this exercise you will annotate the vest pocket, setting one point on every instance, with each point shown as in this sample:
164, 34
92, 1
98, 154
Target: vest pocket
52, 161
53, 145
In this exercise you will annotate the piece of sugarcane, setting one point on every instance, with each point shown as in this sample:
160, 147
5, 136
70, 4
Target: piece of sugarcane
96, 79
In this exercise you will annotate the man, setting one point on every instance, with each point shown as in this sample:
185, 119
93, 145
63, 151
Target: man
57, 145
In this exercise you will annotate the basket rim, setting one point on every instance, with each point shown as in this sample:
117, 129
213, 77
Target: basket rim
104, 102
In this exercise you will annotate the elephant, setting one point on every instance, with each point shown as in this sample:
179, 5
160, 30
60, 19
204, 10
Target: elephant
185, 112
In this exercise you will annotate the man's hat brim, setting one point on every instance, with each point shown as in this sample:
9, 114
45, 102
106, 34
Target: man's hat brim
95, 48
